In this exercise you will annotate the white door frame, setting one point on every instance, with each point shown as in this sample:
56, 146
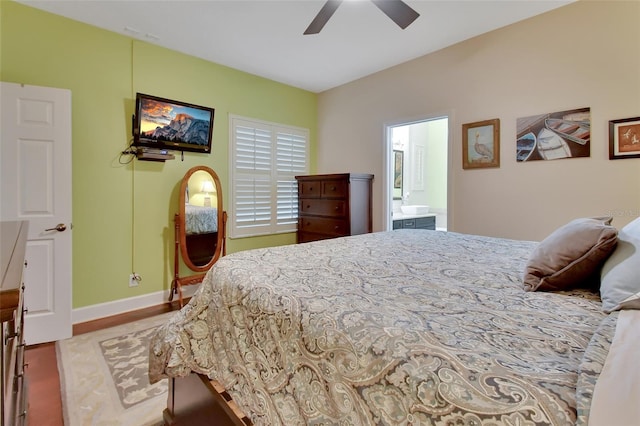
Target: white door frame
387, 165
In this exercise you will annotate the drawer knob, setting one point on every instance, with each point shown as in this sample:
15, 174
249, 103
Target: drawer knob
333, 188
336, 208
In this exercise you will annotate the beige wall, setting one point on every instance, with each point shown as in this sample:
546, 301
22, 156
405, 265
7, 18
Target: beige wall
585, 54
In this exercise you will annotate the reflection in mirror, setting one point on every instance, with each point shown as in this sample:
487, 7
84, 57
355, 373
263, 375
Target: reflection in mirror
398, 175
200, 226
201, 218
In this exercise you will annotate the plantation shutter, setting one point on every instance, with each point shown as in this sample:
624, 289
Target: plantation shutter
265, 159
291, 161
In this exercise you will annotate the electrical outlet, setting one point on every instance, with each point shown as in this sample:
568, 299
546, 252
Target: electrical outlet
134, 279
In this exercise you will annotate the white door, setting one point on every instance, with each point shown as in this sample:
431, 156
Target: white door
35, 167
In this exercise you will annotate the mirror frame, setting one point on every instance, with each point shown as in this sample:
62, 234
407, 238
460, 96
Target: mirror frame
181, 220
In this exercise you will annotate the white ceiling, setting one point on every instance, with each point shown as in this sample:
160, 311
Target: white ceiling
264, 37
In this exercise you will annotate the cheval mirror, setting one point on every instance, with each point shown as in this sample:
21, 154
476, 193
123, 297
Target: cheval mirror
199, 227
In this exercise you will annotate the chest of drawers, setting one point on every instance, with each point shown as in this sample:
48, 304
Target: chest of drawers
333, 205
12, 378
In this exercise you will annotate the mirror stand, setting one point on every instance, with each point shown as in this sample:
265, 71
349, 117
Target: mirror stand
200, 227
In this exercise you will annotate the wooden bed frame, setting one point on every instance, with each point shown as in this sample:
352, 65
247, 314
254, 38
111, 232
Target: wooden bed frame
196, 400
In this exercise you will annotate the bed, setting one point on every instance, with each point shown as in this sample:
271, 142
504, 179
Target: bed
406, 327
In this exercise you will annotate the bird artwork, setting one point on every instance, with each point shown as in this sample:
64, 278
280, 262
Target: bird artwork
483, 150
630, 136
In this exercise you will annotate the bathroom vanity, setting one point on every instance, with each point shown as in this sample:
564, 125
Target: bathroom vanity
423, 221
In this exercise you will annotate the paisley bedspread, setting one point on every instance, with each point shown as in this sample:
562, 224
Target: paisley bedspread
408, 327
200, 220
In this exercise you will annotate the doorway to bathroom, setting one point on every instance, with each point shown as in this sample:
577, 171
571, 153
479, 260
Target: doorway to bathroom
417, 172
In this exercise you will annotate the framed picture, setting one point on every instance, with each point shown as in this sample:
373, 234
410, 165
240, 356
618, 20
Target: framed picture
481, 144
398, 158
624, 138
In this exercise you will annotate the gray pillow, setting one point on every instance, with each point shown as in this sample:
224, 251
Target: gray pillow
570, 255
620, 277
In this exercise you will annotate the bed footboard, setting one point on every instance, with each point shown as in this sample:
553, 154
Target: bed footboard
196, 400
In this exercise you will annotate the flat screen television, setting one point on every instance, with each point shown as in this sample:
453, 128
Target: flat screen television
172, 125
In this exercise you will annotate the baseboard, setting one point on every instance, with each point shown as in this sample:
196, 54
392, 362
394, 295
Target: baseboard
107, 309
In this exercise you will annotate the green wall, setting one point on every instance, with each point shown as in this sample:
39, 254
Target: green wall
123, 213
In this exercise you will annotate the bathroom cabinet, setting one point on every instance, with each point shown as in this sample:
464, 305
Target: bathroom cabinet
420, 222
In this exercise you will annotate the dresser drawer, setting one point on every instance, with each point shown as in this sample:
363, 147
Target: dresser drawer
309, 189
19, 338
12, 393
334, 189
322, 207
323, 225
323, 189
307, 237
9, 368
7, 351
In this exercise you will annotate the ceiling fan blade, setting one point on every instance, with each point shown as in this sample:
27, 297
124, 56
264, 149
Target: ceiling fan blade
323, 16
398, 11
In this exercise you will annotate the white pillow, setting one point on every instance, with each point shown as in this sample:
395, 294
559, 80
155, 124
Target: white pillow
620, 276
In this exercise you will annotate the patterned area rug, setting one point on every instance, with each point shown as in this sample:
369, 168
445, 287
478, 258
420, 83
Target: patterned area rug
104, 377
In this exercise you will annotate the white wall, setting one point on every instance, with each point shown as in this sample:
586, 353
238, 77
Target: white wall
436, 157
582, 55
418, 134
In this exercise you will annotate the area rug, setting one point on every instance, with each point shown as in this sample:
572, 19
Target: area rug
104, 376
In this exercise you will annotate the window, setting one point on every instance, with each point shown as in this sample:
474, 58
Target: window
265, 158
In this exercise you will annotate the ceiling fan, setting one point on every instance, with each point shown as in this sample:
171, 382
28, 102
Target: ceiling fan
397, 10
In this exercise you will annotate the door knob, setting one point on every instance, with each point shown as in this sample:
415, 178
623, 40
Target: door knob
59, 227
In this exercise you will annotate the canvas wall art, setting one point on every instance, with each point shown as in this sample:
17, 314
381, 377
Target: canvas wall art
555, 135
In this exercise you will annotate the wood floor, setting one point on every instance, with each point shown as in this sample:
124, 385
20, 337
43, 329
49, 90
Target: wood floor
43, 389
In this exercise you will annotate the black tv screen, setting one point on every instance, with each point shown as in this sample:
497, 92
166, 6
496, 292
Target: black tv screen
166, 124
